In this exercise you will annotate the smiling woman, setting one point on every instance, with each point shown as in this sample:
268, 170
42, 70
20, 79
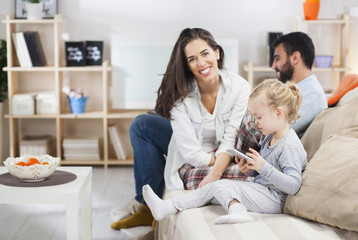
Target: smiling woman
204, 104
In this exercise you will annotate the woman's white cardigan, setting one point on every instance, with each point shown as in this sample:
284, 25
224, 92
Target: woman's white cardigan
186, 142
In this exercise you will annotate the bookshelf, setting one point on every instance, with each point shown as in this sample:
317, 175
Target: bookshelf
340, 64
53, 75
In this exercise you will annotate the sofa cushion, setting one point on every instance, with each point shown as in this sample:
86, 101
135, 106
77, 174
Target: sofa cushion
349, 96
329, 190
348, 82
341, 121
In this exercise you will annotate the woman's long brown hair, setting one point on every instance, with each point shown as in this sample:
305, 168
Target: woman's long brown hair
178, 80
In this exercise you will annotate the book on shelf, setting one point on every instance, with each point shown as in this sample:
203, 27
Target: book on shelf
81, 157
81, 151
85, 148
20, 58
80, 143
29, 49
21, 49
39, 49
75, 140
116, 142
24, 49
81, 146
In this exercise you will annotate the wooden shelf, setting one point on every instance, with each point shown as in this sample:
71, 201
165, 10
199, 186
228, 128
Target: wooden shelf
82, 162
87, 114
30, 69
60, 119
61, 69
101, 68
35, 116
314, 69
127, 162
322, 21
11, 20
126, 114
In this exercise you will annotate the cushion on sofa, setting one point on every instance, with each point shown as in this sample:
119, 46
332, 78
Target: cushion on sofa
329, 190
348, 82
341, 121
349, 96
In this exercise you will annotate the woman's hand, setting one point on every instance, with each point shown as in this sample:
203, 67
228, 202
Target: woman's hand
211, 177
258, 161
221, 163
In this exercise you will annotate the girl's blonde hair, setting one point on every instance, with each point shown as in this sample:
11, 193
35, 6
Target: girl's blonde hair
286, 95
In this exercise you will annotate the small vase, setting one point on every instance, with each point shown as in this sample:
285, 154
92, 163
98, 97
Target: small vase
78, 105
311, 10
34, 11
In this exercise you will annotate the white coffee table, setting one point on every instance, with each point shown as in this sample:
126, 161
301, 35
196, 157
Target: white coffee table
74, 195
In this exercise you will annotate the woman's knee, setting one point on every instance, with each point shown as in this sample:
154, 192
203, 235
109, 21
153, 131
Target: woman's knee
138, 124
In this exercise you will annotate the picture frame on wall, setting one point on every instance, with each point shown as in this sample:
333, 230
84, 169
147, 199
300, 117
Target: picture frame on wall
50, 8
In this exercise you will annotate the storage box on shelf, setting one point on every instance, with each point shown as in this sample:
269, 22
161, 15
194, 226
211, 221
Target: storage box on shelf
339, 69
19, 78
35, 145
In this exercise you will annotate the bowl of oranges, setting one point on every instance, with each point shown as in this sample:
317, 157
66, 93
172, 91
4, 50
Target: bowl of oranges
30, 168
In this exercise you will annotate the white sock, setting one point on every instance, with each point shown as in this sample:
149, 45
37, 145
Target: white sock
159, 208
237, 214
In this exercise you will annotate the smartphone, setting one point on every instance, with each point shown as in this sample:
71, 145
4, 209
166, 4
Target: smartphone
239, 154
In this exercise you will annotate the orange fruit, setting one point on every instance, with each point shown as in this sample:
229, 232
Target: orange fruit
21, 164
32, 161
45, 163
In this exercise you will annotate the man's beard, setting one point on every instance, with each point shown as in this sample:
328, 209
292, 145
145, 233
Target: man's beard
286, 72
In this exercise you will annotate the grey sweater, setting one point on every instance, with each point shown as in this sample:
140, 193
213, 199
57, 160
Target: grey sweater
284, 163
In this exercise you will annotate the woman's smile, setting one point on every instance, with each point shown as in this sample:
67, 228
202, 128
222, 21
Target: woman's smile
205, 72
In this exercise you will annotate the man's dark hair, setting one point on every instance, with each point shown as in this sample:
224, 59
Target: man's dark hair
298, 41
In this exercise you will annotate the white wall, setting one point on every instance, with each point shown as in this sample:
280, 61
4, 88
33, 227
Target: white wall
247, 20
155, 20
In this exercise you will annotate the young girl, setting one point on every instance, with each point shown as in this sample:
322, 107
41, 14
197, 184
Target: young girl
277, 168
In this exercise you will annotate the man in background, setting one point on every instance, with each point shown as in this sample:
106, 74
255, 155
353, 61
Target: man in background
293, 60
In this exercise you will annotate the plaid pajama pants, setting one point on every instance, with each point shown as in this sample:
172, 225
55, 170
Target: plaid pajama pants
248, 137
192, 176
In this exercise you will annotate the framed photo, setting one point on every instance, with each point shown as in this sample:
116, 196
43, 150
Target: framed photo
50, 8
75, 54
94, 52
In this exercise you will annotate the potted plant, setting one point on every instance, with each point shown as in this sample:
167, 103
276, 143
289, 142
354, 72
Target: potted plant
3, 74
3, 90
34, 10
78, 100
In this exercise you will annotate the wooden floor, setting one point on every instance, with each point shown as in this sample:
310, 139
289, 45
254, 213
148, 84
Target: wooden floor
110, 188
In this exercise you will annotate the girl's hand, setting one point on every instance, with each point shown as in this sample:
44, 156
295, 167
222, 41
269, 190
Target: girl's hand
258, 160
243, 165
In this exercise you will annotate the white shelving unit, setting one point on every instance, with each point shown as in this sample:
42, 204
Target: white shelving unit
340, 68
17, 74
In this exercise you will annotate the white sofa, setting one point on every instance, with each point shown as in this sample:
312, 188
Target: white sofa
314, 217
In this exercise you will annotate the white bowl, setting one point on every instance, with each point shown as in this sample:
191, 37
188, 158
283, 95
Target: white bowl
32, 173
